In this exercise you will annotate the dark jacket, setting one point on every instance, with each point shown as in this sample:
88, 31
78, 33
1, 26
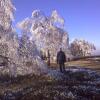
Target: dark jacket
61, 58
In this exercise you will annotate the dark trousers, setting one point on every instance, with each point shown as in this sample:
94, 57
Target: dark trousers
62, 67
48, 61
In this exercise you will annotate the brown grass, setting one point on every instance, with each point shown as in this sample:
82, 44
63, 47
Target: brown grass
85, 63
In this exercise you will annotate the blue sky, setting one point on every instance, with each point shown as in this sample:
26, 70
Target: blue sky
82, 17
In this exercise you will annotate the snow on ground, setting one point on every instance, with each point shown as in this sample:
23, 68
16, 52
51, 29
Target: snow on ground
79, 72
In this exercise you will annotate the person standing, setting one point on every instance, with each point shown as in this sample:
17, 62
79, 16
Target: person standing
61, 59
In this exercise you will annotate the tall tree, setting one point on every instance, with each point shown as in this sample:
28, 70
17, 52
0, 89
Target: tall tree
8, 41
47, 32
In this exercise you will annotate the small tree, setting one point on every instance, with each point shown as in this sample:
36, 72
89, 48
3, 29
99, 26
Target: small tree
81, 48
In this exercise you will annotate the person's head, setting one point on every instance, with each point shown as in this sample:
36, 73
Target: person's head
60, 49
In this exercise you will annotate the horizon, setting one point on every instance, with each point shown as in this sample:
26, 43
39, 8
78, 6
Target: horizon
81, 16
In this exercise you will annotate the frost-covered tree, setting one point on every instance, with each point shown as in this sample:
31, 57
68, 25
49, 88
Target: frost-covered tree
8, 37
81, 48
29, 55
47, 32
23, 57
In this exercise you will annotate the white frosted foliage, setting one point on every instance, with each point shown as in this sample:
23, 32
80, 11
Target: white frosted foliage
46, 33
6, 13
81, 48
23, 57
